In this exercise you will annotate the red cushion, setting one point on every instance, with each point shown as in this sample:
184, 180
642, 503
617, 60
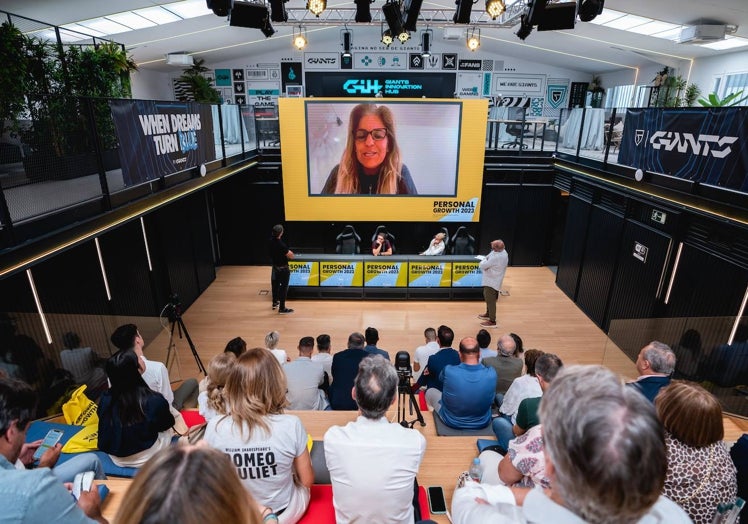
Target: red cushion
192, 417
422, 400
321, 510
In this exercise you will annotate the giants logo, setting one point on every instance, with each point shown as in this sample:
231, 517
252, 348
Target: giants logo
362, 87
702, 145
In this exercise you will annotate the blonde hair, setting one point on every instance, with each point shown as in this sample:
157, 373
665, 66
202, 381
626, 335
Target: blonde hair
690, 413
255, 388
272, 339
389, 173
190, 485
218, 372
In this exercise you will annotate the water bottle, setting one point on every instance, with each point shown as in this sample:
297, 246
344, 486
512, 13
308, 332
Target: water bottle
476, 470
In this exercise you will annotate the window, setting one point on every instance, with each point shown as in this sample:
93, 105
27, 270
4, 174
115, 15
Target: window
620, 96
732, 83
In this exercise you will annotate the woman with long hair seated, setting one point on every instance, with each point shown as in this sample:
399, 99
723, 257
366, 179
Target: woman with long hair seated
700, 472
210, 401
134, 421
267, 447
189, 485
371, 163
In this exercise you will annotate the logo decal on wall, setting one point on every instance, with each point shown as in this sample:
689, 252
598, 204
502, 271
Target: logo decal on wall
557, 95
415, 61
449, 60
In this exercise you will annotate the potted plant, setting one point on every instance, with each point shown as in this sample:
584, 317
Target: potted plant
597, 90
712, 100
200, 86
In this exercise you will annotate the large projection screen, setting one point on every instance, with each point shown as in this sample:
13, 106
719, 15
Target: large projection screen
441, 144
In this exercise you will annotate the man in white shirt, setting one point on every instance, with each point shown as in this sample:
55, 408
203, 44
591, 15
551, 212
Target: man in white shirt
422, 353
127, 337
493, 267
304, 380
324, 355
436, 246
373, 463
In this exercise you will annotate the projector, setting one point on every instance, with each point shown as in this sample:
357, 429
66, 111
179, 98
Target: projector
181, 60
702, 34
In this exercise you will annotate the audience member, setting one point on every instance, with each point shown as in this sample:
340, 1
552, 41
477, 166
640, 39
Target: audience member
700, 472
323, 355
34, 495
344, 370
524, 386
267, 447
271, 343
436, 246
507, 363
422, 353
83, 364
373, 463
546, 368
484, 340
127, 337
306, 380
446, 356
134, 421
237, 346
605, 457
211, 402
468, 391
372, 337
523, 465
655, 364
189, 485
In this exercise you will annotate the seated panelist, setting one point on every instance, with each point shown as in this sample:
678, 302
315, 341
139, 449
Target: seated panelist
436, 247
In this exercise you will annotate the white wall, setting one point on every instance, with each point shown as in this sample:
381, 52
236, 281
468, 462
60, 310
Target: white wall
705, 70
152, 85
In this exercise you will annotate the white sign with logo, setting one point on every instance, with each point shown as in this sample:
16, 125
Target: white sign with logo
468, 85
379, 61
321, 61
511, 84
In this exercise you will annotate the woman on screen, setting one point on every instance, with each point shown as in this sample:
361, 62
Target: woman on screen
371, 163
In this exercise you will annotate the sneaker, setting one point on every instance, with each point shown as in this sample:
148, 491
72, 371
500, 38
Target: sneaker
488, 324
484, 316
275, 305
285, 311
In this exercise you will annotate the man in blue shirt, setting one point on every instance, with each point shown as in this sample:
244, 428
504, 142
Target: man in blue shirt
468, 391
446, 356
31, 496
344, 371
655, 364
372, 337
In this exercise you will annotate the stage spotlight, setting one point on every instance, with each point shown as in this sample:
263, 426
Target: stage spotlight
299, 39
394, 19
462, 15
473, 39
412, 10
346, 43
220, 7
404, 36
316, 7
589, 9
426, 44
363, 11
494, 8
278, 11
525, 28
247, 14
387, 37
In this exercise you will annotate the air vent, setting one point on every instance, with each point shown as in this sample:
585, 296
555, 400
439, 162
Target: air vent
702, 34
178, 59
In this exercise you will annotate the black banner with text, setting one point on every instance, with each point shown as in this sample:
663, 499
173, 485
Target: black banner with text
390, 85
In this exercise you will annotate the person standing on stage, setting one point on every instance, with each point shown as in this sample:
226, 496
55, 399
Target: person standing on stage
280, 255
493, 267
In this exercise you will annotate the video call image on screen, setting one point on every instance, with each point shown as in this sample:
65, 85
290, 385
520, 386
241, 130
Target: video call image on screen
427, 135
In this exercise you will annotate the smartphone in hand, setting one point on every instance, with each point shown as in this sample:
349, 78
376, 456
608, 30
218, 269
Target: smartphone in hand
52, 437
82, 482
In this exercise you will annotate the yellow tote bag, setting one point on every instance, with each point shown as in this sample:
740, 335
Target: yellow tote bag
80, 410
87, 439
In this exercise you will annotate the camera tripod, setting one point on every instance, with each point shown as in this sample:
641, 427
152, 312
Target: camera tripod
405, 397
175, 317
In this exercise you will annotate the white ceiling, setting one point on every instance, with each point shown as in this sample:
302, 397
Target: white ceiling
589, 47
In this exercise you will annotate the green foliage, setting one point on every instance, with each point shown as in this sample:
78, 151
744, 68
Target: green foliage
692, 93
200, 87
13, 68
713, 100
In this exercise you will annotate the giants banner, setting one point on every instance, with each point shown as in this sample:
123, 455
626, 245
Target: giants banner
707, 145
160, 138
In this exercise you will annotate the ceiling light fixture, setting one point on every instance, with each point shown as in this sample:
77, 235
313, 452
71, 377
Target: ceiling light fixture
316, 7
394, 18
363, 11
525, 27
426, 38
589, 9
299, 39
473, 38
278, 11
387, 37
462, 14
347, 43
412, 10
495, 8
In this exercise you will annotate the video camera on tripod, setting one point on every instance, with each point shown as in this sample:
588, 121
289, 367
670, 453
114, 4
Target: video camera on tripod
405, 391
173, 311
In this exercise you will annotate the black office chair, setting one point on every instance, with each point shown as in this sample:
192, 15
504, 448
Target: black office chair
390, 236
463, 243
348, 242
517, 130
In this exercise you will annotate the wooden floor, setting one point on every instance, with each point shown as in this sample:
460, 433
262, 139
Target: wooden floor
238, 304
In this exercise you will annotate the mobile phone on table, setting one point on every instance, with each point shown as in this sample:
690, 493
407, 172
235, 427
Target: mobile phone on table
437, 503
52, 437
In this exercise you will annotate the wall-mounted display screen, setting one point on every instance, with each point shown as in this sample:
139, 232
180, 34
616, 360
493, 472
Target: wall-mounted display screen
349, 159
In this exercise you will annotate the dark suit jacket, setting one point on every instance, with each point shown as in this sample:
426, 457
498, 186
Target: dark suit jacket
650, 386
344, 370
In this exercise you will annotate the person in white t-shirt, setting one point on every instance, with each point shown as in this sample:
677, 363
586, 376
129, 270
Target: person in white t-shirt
271, 342
324, 355
422, 353
210, 402
267, 447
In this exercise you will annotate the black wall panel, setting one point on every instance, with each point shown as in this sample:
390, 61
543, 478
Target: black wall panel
575, 238
202, 252
636, 284
599, 263
499, 211
15, 294
126, 263
533, 226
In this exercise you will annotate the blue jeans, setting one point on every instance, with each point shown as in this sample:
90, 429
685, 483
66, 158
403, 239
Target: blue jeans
81, 463
502, 428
